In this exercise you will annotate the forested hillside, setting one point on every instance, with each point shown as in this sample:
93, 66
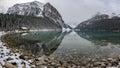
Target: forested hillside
13, 22
101, 22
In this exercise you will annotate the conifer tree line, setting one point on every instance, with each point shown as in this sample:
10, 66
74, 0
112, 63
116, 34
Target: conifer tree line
11, 22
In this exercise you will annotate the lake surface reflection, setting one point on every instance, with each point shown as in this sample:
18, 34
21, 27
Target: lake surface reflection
66, 45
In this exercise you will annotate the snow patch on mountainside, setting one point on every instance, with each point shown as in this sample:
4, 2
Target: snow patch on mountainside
38, 9
31, 8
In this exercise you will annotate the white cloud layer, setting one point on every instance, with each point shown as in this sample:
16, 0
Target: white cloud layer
74, 11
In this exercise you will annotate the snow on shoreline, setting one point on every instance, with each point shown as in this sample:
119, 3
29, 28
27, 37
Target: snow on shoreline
6, 54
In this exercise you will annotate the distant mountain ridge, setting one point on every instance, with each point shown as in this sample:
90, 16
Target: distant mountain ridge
101, 22
38, 9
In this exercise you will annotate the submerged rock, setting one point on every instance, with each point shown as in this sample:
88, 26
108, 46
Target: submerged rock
9, 65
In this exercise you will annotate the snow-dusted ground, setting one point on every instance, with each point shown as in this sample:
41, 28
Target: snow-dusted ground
66, 29
6, 53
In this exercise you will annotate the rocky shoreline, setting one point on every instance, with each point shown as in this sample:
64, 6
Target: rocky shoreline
15, 58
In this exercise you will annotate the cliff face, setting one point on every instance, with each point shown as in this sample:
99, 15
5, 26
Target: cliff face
51, 13
100, 22
38, 9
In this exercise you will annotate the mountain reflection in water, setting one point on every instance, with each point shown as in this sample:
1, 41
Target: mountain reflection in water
101, 38
69, 45
37, 43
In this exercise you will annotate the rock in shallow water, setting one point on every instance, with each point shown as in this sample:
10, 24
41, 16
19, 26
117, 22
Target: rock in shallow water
23, 57
9, 65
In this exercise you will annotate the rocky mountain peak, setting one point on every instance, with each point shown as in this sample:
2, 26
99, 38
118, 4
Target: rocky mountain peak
34, 8
38, 9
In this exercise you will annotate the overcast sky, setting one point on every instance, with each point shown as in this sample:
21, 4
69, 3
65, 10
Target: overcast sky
73, 11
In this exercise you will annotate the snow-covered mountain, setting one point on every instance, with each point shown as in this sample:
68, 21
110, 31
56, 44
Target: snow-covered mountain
31, 8
101, 22
38, 9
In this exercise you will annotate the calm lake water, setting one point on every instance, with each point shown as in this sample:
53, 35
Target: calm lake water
66, 45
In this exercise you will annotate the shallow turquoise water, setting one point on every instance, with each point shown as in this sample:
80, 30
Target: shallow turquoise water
66, 44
